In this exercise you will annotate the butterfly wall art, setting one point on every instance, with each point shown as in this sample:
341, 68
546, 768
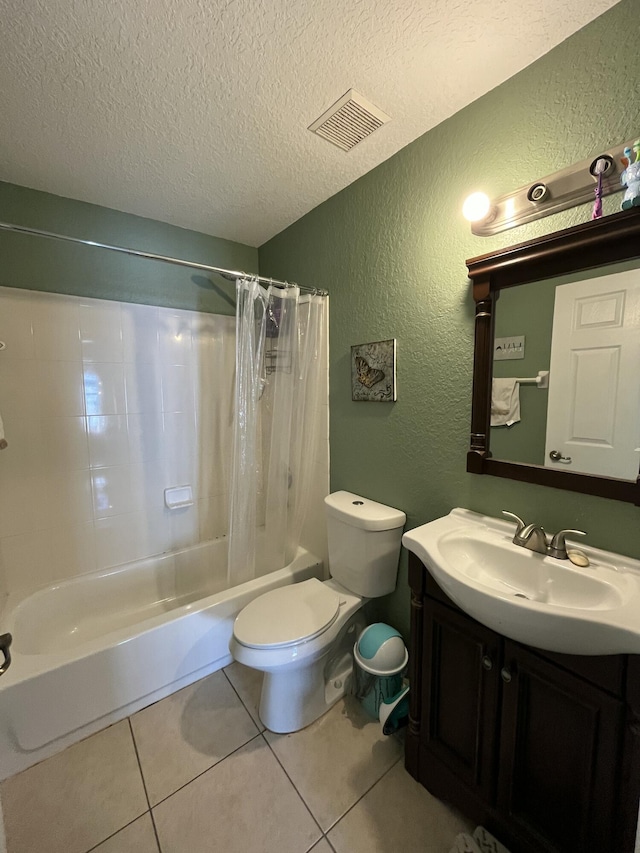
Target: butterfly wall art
373, 372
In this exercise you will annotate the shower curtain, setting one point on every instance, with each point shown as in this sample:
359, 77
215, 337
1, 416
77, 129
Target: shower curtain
279, 378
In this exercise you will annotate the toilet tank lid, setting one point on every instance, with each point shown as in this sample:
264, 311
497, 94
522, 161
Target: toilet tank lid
363, 513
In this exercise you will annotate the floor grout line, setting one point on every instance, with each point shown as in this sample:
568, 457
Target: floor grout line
144, 788
363, 795
336, 822
273, 752
242, 702
135, 749
278, 760
326, 838
113, 834
144, 784
215, 764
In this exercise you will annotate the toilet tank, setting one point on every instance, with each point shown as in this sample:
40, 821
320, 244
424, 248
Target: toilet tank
364, 543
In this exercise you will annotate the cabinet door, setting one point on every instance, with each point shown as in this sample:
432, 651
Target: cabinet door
559, 754
460, 697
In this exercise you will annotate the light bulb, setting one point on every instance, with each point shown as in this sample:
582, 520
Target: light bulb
476, 207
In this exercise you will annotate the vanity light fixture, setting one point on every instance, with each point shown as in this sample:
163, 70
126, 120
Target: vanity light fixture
567, 188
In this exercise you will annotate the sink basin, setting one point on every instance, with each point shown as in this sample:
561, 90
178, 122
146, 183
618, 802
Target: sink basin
544, 602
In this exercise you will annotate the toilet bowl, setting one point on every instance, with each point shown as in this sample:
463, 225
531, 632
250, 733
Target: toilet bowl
302, 636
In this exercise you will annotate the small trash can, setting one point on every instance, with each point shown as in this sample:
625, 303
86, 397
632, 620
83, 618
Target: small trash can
380, 658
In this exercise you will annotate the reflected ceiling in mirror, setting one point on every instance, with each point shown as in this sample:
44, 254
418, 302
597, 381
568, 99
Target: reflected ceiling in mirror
582, 290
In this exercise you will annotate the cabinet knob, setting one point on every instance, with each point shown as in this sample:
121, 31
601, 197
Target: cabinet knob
506, 675
487, 663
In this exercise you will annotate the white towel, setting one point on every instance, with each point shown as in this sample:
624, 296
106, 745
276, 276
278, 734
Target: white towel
3, 441
505, 402
464, 843
486, 842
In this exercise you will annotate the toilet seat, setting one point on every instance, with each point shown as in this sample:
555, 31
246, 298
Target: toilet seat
288, 615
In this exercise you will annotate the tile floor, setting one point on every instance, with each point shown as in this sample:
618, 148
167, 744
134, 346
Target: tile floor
198, 772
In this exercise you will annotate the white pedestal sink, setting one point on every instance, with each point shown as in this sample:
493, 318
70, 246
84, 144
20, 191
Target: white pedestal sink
532, 598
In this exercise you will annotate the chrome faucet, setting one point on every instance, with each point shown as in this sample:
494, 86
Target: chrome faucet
534, 537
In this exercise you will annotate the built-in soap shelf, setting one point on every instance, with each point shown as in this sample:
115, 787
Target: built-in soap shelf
178, 496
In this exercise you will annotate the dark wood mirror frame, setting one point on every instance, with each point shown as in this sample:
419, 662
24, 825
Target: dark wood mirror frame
586, 246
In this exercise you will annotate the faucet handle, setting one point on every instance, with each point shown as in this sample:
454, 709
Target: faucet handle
521, 524
558, 547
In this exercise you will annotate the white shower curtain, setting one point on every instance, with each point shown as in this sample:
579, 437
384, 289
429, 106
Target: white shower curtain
279, 379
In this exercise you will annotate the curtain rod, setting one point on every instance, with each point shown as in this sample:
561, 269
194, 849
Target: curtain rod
228, 274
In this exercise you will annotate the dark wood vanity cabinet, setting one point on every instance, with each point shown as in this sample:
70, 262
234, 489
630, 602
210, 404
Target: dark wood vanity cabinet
542, 749
460, 692
560, 737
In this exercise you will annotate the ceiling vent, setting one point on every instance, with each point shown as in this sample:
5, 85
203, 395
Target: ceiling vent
349, 121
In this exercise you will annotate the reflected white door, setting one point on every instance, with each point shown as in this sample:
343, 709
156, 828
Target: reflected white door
594, 384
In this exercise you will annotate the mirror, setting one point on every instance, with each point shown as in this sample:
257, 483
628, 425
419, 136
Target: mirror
585, 330
566, 295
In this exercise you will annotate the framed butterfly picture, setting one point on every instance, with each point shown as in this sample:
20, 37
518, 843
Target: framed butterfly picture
373, 372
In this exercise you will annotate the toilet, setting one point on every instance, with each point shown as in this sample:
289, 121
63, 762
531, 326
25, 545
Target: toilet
302, 635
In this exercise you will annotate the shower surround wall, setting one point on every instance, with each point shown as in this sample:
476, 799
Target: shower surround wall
106, 404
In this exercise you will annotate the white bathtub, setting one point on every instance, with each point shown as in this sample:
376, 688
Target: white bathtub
93, 649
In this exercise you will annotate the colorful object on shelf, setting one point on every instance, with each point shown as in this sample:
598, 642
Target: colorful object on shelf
631, 177
599, 168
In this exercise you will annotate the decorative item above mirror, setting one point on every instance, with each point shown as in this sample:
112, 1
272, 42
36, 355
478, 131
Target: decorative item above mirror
605, 173
587, 448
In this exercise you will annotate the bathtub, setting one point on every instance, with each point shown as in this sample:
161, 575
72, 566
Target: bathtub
93, 649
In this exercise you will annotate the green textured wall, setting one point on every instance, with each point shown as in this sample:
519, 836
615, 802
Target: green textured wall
391, 249
525, 311
38, 264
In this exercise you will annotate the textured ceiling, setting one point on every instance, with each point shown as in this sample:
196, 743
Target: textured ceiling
195, 112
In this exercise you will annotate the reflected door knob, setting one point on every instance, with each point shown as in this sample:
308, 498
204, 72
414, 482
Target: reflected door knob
556, 456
